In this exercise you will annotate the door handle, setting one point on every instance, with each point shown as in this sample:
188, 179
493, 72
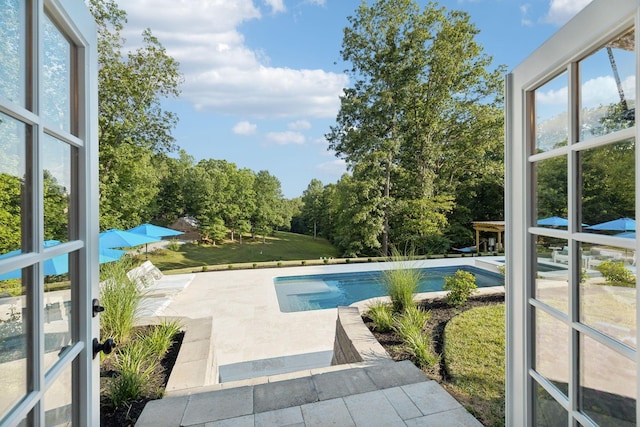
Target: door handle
106, 347
97, 308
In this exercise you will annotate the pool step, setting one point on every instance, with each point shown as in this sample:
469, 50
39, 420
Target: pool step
389, 390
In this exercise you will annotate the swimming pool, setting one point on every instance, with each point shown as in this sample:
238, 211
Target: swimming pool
321, 291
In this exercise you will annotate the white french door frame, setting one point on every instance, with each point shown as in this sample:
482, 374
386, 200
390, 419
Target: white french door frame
598, 23
77, 25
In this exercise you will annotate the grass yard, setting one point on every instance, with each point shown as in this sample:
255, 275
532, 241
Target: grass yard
282, 246
474, 353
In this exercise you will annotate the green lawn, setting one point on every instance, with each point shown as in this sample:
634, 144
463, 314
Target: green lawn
474, 353
282, 246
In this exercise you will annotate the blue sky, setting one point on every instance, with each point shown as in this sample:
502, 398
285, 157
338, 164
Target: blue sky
263, 77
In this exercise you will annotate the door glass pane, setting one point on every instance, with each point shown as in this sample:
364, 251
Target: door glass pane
608, 188
608, 291
13, 343
551, 106
13, 197
608, 88
551, 178
551, 272
607, 384
549, 413
57, 400
57, 308
552, 350
57, 189
56, 82
12, 51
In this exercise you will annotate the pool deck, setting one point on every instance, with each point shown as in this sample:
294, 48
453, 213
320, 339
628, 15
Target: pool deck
253, 339
248, 328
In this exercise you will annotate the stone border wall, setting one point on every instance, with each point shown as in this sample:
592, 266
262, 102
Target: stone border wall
196, 364
354, 342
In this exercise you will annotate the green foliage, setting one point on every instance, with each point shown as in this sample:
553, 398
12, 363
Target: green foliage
137, 373
120, 298
401, 285
616, 274
409, 325
420, 124
159, 338
173, 245
460, 286
474, 355
382, 316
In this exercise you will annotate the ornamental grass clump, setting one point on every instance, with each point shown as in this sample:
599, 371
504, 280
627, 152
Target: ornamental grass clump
158, 339
460, 286
401, 283
120, 298
137, 375
382, 316
409, 325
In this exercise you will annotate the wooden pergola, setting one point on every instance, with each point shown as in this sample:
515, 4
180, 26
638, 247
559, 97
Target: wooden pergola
490, 227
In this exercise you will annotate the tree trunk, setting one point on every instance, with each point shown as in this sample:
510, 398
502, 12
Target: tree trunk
314, 229
385, 230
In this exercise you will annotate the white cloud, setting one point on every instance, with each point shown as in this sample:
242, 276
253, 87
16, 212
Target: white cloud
276, 5
552, 96
560, 11
316, 2
223, 75
524, 11
285, 138
299, 125
335, 167
604, 91
245, 128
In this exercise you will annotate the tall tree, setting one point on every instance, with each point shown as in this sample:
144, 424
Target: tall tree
423, 110
268, 212
130, 88
312, 206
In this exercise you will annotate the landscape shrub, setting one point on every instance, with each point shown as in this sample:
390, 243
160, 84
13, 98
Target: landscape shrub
137, 374
401, 284
279, 264
303, 262
409, 325
326, 261
382, 316
615, 273
255, 265
460, 286
230, 266
205, 268
173, 245
120, 298
158, 338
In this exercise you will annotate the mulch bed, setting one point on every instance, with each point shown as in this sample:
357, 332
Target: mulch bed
127, 415
441, 313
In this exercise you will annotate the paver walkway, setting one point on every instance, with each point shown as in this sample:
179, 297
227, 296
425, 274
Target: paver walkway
389, 394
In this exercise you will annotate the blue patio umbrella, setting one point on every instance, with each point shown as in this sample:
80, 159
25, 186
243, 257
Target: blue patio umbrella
115, 238
154, 231
554, 221
620, 224
627, 235
60, 264
110, 255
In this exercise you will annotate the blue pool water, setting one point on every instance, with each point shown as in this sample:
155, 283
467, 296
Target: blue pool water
320, 291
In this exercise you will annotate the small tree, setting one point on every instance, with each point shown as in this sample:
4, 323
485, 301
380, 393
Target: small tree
460, 286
